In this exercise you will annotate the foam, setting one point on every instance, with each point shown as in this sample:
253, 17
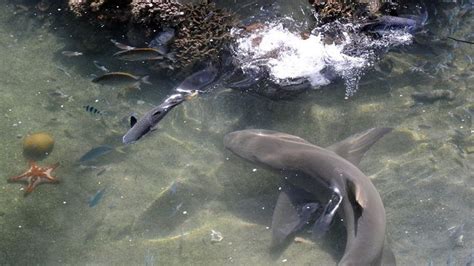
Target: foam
287, 56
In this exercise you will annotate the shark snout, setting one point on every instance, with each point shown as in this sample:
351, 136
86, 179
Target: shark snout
230, 140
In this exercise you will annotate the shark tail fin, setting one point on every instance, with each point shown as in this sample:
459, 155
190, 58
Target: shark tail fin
354, 147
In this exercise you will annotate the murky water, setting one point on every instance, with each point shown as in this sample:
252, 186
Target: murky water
166, 194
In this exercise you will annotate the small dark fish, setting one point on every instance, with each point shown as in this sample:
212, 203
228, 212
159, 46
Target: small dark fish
433, 96
387, 23
121, 45
95, 153
121, 79
100, 66
91, 109
139, 54
94, 200
71, 53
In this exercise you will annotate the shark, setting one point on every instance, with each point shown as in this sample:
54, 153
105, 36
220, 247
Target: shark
186, 90
320, 183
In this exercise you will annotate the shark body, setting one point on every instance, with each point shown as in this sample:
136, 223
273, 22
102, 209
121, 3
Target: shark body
320, 182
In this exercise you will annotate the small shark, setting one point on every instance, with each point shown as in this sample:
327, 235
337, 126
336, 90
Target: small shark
318, 184
189, 88
138, 128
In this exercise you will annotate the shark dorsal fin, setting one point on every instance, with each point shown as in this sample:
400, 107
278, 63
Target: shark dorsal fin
354, 147
133, 120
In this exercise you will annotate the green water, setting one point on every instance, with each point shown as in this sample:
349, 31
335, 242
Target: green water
423, 170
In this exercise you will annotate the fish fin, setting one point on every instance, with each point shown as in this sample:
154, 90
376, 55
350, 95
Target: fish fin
121, 45
145, 79
133, 120
356, 192
287, 219
322, 224
388, 258
354, 147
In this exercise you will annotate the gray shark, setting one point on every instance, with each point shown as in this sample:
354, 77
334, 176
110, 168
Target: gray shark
187, 89
320, 182
146, 124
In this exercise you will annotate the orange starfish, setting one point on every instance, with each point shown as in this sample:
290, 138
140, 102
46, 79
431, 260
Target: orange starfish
35, 176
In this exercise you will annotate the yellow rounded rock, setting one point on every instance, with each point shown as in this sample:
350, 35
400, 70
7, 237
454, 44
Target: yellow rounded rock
38, 146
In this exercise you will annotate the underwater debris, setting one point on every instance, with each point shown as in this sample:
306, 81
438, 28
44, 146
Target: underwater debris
216, 236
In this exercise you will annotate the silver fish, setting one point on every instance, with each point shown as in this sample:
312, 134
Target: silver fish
100, 66
121, 45
121, 79
139, 54
71, 53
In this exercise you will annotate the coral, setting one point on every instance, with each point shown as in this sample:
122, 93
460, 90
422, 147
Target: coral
38, 146
343, 10
158, 12
202, 29
203, 34
102, 12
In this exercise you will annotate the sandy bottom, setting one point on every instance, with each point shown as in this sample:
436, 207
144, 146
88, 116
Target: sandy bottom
165, 194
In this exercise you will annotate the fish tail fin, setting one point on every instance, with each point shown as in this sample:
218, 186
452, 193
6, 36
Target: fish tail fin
146, 80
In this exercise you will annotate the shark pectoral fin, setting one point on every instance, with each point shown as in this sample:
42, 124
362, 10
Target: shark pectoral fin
133, 120
284, 221
322, 224
357, 192
291, 214
354, 147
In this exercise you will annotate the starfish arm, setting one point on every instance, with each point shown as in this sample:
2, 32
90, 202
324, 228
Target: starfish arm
22, 177
32, 184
